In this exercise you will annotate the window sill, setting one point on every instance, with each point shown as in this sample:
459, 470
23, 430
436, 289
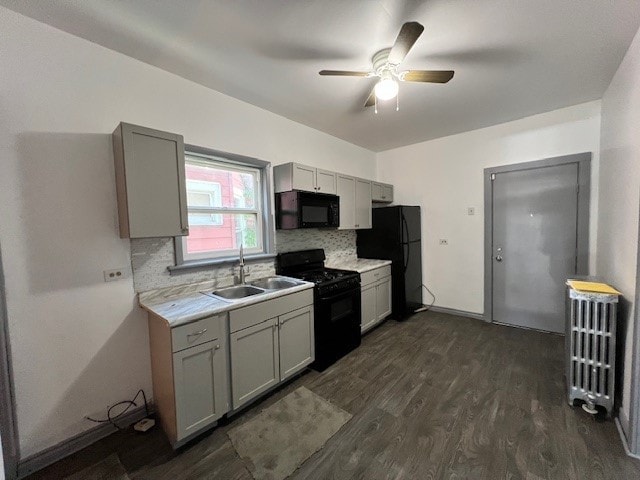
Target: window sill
217, 262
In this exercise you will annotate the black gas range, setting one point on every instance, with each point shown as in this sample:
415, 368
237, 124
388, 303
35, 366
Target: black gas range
336, 303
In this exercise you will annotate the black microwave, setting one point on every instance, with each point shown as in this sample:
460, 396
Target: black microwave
296, 209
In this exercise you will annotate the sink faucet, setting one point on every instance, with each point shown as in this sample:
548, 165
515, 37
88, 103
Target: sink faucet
241, 274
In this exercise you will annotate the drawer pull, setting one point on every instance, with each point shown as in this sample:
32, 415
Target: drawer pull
204, 330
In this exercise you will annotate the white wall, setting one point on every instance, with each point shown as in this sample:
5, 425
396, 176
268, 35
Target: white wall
445, 176
620, 193
78, 343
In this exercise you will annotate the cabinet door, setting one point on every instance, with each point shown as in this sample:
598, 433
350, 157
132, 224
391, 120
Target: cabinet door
346, 190
255, 366
150, 180
387, 193
304, 178
368, 305
296, 341
200, 381
325, 181
363, 204
377, 191
383, 299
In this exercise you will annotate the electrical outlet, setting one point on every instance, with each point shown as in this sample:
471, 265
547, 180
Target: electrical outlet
471, 211
444, 241
115, 274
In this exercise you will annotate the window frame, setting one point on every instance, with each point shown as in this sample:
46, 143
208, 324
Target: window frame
265, 218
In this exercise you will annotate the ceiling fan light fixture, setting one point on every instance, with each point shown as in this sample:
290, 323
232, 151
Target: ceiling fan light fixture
386, 89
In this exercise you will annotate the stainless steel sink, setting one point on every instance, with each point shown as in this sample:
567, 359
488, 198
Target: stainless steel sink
238, 291
275, 283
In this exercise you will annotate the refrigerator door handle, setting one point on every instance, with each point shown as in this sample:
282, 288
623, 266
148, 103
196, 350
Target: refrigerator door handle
405, 241
405, 228
406, 258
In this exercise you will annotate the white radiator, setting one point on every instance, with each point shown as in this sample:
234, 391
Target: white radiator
591, 349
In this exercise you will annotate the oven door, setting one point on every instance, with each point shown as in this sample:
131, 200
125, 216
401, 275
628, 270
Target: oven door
337, 326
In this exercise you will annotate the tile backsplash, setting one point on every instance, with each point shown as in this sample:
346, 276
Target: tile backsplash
150, 258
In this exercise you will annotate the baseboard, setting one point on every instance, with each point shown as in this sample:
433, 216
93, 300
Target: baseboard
65, 448
625, 444
459, 313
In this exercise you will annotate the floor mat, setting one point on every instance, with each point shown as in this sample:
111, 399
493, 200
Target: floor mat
281, 437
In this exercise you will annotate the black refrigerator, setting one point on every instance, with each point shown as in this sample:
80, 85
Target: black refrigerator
395, 236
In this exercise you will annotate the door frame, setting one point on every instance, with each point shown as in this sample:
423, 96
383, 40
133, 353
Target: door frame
8, 428
633, 436
583, 161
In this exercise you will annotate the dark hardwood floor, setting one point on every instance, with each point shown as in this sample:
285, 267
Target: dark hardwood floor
434, 397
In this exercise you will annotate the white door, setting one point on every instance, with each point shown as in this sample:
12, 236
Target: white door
325, 181
200, 381
296, 341
534, 244
255, 366
346, 188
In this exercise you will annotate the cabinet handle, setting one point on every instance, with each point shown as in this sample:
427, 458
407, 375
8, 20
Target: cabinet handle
319, 188
185, 230
204, 330
217, 347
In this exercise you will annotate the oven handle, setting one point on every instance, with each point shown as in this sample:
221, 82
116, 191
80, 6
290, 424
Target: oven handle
348, 293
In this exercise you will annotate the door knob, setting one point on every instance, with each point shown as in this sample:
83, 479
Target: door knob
498, 258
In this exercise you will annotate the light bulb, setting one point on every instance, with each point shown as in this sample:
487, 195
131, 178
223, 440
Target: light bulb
386, 89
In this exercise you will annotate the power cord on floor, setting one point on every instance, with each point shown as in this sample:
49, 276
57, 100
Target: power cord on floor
129, 403
426, 308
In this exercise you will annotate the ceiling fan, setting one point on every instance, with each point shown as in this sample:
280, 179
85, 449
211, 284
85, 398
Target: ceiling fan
385, 67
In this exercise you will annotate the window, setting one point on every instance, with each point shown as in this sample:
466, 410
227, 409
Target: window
227, 204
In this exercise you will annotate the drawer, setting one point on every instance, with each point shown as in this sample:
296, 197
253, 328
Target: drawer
373, 276
246, 317
197, 332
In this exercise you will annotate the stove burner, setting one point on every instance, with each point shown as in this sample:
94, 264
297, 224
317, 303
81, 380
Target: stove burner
324, 275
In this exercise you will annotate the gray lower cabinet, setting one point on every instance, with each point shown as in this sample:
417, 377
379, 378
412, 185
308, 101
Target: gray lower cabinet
255, 364
296, 341
269, 342
369, 316
375, 297
383, 298
189, 369
200, 377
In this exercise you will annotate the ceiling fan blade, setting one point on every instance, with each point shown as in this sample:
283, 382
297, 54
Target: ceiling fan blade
372, 99
430, 76
344, 73
408, 35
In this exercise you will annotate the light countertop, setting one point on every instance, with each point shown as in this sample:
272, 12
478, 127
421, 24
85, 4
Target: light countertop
359, 265
179, 306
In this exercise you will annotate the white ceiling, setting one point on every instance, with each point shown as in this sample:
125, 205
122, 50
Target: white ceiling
512, 58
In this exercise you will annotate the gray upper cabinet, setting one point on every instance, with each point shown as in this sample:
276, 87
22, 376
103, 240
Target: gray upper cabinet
347, 193
363, 203
295, 176
150, 182
355, 202
381, 192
